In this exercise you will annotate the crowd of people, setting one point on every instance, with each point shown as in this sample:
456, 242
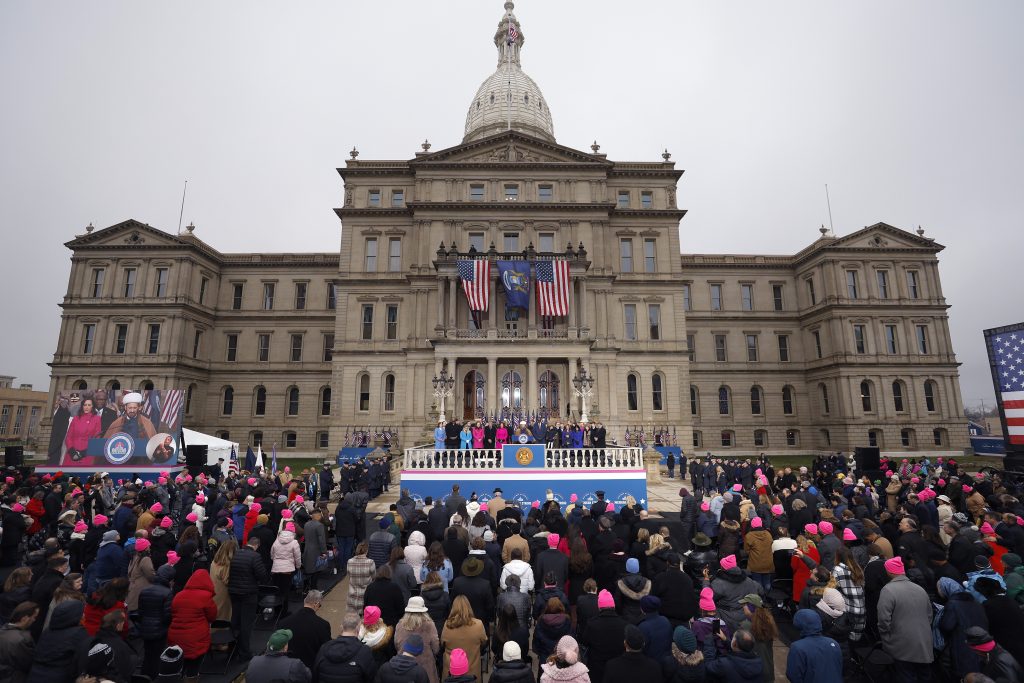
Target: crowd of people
914, 575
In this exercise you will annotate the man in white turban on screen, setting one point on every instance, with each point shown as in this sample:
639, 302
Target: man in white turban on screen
133, 422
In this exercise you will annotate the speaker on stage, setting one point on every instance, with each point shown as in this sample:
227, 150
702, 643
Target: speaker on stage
867, 458
14, 456
195, 459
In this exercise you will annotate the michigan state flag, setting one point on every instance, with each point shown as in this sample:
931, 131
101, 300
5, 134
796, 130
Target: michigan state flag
515, 280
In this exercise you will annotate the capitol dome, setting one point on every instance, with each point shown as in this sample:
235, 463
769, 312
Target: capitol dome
508, 98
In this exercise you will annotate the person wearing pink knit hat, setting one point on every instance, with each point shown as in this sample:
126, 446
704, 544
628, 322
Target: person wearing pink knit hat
458, 665
811, 529
605, 600
849, 535
166, 522
707, 600
904, 623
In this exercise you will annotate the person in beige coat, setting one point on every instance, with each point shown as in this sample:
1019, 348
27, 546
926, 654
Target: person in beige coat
417, 621
515, 541
140, 574
464, 632
220, 572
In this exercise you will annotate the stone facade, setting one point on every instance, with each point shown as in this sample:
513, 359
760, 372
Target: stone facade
21, 412
867, 356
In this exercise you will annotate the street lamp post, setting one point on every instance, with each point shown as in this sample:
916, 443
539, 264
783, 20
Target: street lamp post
443, 386
583, 385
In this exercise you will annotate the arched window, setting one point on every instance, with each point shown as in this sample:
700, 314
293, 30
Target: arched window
290, 440
389, 392
632, 392
694, 401
787, 400
228, 402
548, 392
293, 401
473, 399
512, 390
723, 400
113, 385
931, 392
147, 385
728, 438
907, 438
825, 408
224, 435
760, 438
364, 392
325, 401
875, 438
80, 385
897, 396
656, 392
865, 396
755, 400
259, 403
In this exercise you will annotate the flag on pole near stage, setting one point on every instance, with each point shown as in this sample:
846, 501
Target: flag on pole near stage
259, 457
233, 462
1006, 355
250, 459
476, 280
553, 287
273, 459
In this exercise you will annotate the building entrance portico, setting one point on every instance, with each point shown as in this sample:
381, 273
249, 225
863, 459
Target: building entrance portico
510, 388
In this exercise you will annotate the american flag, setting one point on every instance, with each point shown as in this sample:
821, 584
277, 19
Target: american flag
233, 462
174, 400
513, 33
1006, 350
476, 278
553, 287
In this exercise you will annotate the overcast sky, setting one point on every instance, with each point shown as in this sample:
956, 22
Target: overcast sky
912, 113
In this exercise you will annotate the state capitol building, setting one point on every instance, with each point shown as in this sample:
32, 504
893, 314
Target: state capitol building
845, 343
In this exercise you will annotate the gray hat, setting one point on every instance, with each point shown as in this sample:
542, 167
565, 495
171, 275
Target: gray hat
111, 536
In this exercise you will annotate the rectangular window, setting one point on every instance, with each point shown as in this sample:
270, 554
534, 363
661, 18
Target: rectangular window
236, 296
367, 321
890, 339
19, 419
726, 439
371, 255
154, 339
629, 313
5, 416
922, 339
646, 200
397, 198
546, 241
687, 301
691, 347
374, 198
511, 193
97, 281
783, 348
851, 284
654, 316
777, 297
296, 350
88, 337
792, 437
129, 282
204, 284
623, 199
332, 296
290, 440
476, 193
747, 292
268, 296
752, 348
300, 296
810, 292
913, 289
650, 262
716, 297
120, 339
720, 355
817, 343
161, 283
476, 241
883, 283
395, 255
859, 343
328, 348
232, 347
197, 341
545, 193
626, 255
391, 320
321, 439
263, 348
759, 438
510, 242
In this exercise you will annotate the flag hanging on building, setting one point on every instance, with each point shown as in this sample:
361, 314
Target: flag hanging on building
233, 462
513, 32
1006, 354
552, 287
476, 279
515, 280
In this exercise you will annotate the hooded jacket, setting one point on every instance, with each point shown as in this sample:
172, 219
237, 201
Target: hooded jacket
758, 545
549, 630
192, 611
56, 655
813, 658
629, 590
604, 639
155, 609
904, 621
276, 667
730, 585
344, 660
416, 552
402, 669
17, 650
285, 554
577, 673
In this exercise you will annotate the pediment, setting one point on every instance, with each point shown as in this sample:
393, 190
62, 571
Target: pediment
129, 233
883, 236
510, 147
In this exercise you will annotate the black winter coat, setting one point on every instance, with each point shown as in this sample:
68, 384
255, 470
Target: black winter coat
1006, 624
248, 572
678, 599
267, 538
632, 666
961, 612
554, 561
549, 630
401, 669
512, 672
309, 633
125, 658
586, 609
345, 520
478, 591
386, 594
629, 590
56, 656
155, 610
344, 660
604, 641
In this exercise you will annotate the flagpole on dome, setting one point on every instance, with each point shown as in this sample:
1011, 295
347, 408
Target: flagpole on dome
509, 42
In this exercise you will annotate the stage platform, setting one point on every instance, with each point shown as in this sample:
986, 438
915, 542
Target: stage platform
525, 472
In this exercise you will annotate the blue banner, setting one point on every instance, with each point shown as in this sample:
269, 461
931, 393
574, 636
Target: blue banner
514, 455
515, 279
665, 450
351, 454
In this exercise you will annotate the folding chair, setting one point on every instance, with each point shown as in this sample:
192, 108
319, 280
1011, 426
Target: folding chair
220, 636
269, 603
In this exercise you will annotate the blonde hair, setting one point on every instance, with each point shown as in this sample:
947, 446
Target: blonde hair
643, 534
226, 552
655, 542
461, 614
414, 621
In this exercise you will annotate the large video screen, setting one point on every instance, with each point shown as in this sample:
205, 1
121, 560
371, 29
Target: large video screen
112, 430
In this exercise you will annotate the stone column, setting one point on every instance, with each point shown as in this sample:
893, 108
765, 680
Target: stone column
532, 316
440, 304
531, 380
453, 286
572, 306
492, 384
493, 302
583, 302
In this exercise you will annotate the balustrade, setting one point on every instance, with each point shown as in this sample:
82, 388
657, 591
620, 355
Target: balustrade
612, 457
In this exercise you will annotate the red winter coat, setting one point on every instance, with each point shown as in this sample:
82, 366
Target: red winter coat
192, 611
36, 511
93, 615
250, 523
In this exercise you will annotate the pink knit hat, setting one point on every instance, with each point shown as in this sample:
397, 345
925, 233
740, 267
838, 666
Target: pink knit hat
192, 517
166, 523
987, 529
1020, 521
9, 480
605, 600
287, 469
256, 506
707, 599
728, 562
568, 650
289, 526
141, 545
156, 507
458, 663
172, 558
756, 523
535, 505
705, 506
573, 498
286, 513
966, 488
848, 534
611, 507
81, 527
825, 527
941, 482
915, 480
251, 481
777, 509
483, 507
201, 499
811, 528
18, 507
895, 566
371, 615
162, 480
737, 487
553, 540
99, 520
300, 499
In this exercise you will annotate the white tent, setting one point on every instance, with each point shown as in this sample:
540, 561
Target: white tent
216, 448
